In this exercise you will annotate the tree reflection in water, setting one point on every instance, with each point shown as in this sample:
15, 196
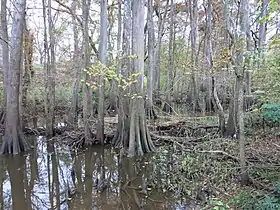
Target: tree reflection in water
53, 177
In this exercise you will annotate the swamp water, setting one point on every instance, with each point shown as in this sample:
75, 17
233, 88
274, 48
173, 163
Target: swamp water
54, 177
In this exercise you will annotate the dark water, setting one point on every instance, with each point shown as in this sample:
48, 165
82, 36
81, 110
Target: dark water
54, 177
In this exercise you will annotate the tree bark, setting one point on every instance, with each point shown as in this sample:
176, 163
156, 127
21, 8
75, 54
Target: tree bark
245, 27
102, 57
13, 137
167, 106
151, 67
139, 138
113, 106
262, 32
28, 70
159, 40
16, 174
5, 50
50, 66
72, 122
121, 138
209, 54
87, 101
209, 62
193, 11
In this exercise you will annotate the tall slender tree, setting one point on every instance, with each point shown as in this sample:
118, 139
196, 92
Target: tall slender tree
167, 105
73, 115
13, 138
87, 92
151, 62
102, 57
122, 135
113, 106
161, 21
209, 63
139, 137
50, 67
240, 73
193, 11
132, 133
5, 51
262, 30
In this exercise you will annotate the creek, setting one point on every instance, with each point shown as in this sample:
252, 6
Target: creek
52, 176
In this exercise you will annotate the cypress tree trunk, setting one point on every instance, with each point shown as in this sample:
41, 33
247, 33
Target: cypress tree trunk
139, 138
102, 57
151, 67
5, 51
13, 137
167, 106
73, 115
87, 92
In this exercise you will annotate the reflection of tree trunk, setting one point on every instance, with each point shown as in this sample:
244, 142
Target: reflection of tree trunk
78, 174
129, 171
88, 179
16, 173
49, 178
33, 175
2, 179
54, 182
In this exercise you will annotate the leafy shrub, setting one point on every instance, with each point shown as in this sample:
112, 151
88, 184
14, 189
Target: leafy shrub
244, 200
218, 205
253, 120
268, 203
271, 113
251, 200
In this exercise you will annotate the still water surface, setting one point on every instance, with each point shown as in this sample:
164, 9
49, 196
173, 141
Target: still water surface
57, 178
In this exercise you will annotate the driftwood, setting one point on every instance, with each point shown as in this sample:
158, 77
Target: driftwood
179, 124
167, 138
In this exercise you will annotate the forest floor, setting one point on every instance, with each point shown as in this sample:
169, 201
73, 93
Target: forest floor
206, 166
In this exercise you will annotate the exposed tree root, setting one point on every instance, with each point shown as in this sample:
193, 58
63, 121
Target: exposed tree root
41, 131
14, 144
76, 139
167, 108
150, 113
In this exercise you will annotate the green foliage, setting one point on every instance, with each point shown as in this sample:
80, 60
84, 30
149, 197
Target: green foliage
253, 120
251, 200
269, 174
109, 72
218, 205
63, 95
273, 6
271, 112
268, 203
244, 200
267, 79
277, 187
